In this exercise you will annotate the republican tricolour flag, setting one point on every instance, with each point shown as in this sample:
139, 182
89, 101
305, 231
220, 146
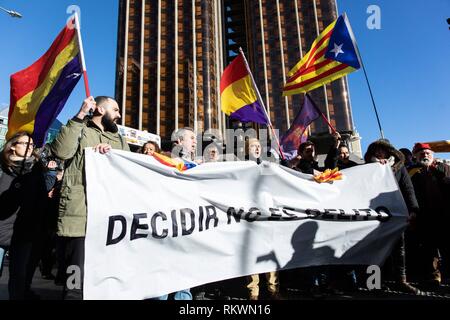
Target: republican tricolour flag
333, 55
39, 92
238, 95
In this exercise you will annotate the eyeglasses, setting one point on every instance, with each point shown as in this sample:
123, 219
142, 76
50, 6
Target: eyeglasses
24, 143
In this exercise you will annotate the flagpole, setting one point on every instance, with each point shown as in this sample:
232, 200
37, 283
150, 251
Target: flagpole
83, 63
321, 113
373, 100
352, 36
262, 103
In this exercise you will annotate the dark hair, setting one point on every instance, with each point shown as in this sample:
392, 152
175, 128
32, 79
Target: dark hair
303, 146
6, 152
102, 99
342, 145
157, 148
385, 145
406, 152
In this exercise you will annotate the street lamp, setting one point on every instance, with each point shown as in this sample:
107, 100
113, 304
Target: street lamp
12, 13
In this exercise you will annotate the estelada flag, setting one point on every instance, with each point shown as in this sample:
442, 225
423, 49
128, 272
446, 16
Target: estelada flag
333, 55
39, 92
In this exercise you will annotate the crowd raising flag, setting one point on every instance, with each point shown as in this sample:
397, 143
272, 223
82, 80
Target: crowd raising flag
39, 92
238, 95
297, 132
332, 55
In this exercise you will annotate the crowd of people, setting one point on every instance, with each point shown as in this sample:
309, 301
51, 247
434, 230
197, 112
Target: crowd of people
43, 206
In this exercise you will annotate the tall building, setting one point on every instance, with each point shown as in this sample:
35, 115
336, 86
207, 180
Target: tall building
171, 78
176, 50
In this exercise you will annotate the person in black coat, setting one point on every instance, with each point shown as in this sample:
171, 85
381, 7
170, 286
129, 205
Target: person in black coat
383, 152
23, 194
431, 180
307, 162
6, 223
339, 155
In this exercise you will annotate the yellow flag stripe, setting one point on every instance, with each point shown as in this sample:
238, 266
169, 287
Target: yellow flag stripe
319, 83
237, 95
306, 57
314, 74
26, 108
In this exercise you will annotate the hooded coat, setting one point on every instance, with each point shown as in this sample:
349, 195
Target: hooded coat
399, 169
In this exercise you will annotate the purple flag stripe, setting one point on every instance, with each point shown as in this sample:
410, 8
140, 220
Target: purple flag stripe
292, 138
250, 113
53, 103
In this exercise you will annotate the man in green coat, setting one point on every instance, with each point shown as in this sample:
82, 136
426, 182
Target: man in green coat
100, 132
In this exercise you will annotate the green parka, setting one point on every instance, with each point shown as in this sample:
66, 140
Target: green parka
69, 146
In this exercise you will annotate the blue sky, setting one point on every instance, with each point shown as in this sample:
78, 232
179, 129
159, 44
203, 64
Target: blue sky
26, 39
408, 66
407, 60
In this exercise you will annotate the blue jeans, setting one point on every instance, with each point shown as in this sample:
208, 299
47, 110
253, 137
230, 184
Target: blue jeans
179, 295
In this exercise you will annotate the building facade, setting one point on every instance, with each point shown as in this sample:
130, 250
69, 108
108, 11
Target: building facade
175, 52
171, 78
3, 126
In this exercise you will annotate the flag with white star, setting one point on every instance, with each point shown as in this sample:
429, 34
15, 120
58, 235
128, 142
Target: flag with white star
333, 55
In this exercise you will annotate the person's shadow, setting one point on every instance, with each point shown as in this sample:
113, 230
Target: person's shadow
381, 239
299, 269
305, 254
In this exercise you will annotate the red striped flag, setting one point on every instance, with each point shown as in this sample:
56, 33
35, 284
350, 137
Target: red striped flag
238, 96
39, 92
332, 55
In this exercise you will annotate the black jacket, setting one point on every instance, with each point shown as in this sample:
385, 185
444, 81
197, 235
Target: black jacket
332, 160
432, 186
308, 167
407, 188
6, 223
23, 198
400, 172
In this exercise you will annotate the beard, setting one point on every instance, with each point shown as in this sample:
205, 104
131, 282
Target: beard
109, 123
425, 162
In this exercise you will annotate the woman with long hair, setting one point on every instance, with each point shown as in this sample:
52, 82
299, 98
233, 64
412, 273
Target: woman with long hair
22, 194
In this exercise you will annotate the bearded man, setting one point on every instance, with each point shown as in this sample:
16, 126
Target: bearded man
431, 180
83, 131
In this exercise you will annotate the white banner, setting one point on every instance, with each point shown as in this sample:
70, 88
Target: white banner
153, 230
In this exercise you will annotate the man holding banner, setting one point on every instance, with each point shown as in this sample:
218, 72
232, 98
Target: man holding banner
100, 132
